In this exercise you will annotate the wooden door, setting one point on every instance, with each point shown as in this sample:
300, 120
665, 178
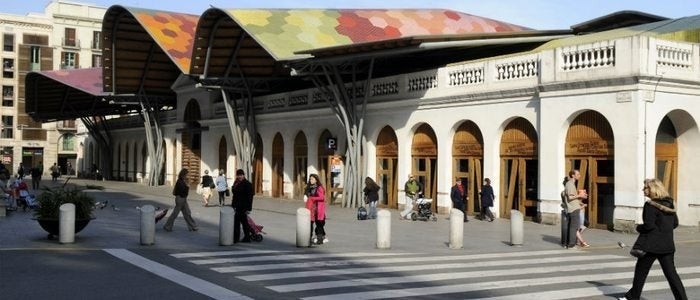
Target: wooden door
387, 181
519, 188
469, 171
277, 166
597, 178
425, 172
300, 163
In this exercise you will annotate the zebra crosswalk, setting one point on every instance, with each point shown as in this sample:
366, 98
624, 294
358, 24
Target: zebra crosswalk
548, 274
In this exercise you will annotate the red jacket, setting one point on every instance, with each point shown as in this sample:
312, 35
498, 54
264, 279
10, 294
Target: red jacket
317, 204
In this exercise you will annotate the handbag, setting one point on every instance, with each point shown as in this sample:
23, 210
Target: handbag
227, 193
638, 253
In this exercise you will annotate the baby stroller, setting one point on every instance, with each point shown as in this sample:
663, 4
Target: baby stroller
423, 211
255, 230
24, 199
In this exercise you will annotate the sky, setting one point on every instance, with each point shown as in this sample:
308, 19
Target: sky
536, 14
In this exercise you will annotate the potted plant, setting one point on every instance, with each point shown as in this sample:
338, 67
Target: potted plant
51, 199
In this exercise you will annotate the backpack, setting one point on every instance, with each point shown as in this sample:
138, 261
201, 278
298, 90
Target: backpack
362, 213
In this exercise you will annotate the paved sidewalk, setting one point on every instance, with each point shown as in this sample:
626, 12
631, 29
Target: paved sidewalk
117, 226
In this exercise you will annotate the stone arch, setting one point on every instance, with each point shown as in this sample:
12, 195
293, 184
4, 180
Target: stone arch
387, 164
590, 149
301, 162
467, 162
191, 137
519, 169
277, 166
424, 167
258, 165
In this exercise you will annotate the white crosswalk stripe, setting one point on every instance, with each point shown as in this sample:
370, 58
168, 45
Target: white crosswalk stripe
550, 274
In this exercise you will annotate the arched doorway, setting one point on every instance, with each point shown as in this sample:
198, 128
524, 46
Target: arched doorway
424, 161
118, 162
223, 156
519, 170
467, 157
667, 156
125, 161
192, 142
301, 158
589, 148
134, 162
277, 166
387, 162
258, 165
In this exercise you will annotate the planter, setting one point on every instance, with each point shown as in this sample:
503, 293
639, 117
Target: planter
52, 225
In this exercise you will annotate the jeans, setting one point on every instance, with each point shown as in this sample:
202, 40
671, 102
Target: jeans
181, 205
408, 207
573, 224
641, 270
372, 210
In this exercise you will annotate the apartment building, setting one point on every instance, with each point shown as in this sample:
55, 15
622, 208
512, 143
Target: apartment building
66, 35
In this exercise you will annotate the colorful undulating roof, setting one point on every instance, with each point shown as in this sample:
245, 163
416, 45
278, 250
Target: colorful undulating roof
86, 80
685, 29
174, 32
283, 32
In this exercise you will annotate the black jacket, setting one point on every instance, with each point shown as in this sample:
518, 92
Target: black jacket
181, 189
656, 234
207, 181
372, 193
242, 195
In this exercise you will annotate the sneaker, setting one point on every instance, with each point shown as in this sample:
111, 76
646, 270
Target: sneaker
314, 241
326, 240
622, 298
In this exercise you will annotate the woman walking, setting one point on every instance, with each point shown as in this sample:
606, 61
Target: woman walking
180, 192
207, 185
487, 198
221, 187
315, 196
655, 241
371, 191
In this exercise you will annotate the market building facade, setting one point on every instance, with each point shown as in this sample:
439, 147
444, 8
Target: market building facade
518, 106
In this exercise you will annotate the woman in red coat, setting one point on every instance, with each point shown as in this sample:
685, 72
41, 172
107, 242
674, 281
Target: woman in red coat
315, 198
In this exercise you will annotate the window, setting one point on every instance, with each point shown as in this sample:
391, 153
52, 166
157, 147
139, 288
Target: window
7, 125
69, 60
35, 58
68, 142
8, 68
97, 40
96, 61
8, 95
69, 38
8, 42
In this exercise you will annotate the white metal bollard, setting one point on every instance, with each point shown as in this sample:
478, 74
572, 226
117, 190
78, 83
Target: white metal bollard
516, 228
66, 223
303, 227
456, 229
384, 229
226, 226
148, 225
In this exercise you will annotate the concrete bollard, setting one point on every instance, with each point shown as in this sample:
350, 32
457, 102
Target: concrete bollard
303, 227
148, 225
456, 229
226, 226
384, 229
66, 223
516, 228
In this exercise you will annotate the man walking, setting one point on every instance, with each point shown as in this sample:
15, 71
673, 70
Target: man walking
242, 203
411, 189
573, 205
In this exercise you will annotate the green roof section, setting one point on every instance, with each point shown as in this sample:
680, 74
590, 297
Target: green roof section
282, 32
685, 29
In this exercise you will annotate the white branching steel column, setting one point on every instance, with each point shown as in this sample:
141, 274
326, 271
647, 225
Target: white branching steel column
344, 103
242, 130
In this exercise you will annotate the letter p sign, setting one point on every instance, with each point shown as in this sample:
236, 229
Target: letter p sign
332, 144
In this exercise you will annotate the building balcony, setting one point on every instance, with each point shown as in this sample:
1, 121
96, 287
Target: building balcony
96, 45
70, 43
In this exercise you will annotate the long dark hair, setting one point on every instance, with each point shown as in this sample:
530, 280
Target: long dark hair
370, 183
183, 173
318, 181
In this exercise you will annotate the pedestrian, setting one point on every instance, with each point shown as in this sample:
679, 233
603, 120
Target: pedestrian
55, 172
458, 196
221, 187
69, 168
36, 177
487, 198
655, 241
7, 193
371, 191
180, 191
20, 170
582, 223
207, 185
573, 202
411, 190
315, 198
242, 202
